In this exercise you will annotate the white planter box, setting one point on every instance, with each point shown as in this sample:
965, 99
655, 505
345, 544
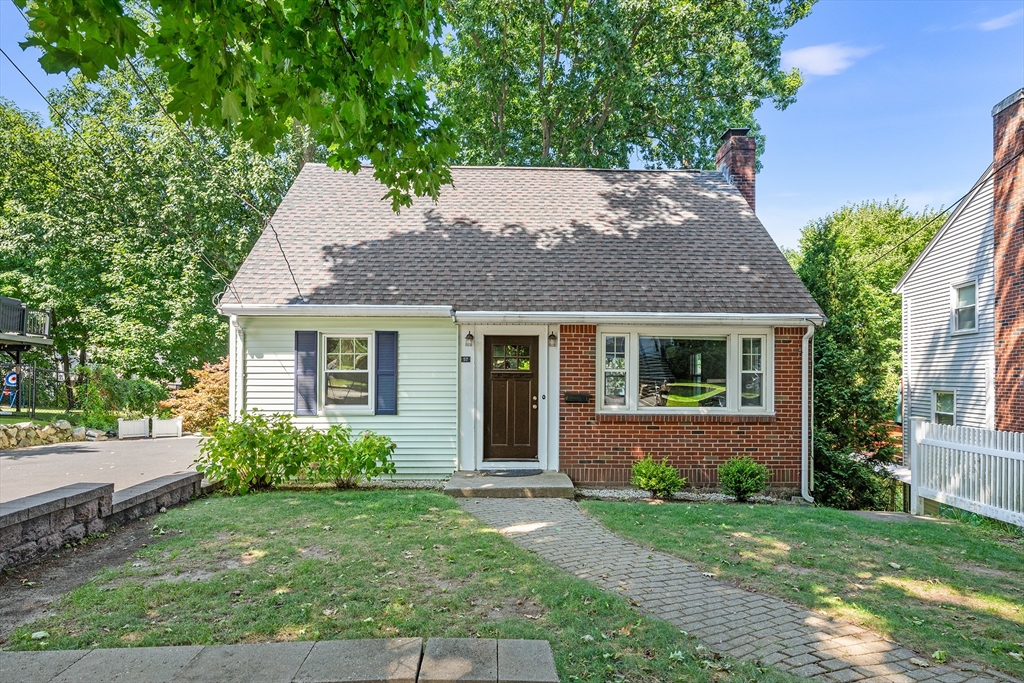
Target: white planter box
170, 427
133, 429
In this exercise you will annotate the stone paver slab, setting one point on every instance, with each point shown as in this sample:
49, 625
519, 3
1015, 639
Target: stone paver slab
526, 661
36, 667
130, 665
395, 660
248, 663
471, 660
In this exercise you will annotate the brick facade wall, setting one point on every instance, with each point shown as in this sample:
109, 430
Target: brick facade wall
597, 449
1008, 224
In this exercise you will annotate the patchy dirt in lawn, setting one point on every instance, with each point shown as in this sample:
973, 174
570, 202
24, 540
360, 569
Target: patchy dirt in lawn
26, 592
511, 607
796, 571
986, 571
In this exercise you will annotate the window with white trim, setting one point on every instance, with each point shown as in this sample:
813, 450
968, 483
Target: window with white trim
615, 370
346, 371
965, 308
683, 371
752, 372
944, 407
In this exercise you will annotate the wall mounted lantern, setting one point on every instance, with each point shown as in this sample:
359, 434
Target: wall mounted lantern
469, 338
552, 340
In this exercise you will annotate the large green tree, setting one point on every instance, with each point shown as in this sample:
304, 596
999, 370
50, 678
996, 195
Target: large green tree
125, 228
596, 83
850, 260
348, 70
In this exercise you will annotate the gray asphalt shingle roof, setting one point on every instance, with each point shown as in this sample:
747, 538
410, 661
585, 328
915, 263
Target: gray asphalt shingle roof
525, 239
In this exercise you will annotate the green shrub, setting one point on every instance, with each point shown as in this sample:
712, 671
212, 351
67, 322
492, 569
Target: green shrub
742, 477
253, 453
845, 483
660, 478
108, 397
335, 457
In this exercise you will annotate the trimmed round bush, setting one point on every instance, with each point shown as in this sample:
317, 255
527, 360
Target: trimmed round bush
742, 477
660, 478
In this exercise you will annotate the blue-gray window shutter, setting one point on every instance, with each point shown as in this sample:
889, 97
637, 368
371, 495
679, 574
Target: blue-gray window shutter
305, 372
387, 373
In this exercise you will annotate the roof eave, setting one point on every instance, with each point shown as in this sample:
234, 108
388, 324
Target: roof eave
522, 317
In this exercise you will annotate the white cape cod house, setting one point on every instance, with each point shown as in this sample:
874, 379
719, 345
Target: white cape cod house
559, 319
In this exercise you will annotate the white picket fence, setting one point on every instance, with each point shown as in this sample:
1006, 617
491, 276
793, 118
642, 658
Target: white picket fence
980, 470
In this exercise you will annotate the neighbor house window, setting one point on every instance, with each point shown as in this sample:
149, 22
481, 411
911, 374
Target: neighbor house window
964, 308
346, 371
615, 370
752, 373
945, 408
683, 371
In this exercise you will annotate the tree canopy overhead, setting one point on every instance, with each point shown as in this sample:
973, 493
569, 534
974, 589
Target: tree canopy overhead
596, 82
350, 71
413, 85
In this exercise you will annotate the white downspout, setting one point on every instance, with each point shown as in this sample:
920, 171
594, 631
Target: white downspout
805, 414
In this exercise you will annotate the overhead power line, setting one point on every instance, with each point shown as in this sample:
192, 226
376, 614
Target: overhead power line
944, 212
239, 195
100, 157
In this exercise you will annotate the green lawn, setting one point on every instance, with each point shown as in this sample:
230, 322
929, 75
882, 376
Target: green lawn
363, 564
43, 415
929, 585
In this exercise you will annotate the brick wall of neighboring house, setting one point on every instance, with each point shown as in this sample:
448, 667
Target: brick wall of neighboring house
601, 448
1008, 225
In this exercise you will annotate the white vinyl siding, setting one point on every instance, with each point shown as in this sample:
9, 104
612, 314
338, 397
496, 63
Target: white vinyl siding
426, 426
934, 355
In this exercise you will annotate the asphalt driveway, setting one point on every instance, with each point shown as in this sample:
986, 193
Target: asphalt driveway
25, 471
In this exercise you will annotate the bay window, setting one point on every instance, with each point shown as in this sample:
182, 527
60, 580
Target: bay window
692, 371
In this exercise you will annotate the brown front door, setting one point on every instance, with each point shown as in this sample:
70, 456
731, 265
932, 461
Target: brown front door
510, 398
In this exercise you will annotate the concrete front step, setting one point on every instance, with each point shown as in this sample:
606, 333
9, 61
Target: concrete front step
482, 485
394, 660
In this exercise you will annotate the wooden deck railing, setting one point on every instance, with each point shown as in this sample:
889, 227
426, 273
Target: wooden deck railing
17, 318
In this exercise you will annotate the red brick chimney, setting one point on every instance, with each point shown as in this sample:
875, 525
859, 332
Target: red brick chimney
737, 160
1008, 229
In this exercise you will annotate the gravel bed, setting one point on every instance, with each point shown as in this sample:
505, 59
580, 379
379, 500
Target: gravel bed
420, 484
691, 496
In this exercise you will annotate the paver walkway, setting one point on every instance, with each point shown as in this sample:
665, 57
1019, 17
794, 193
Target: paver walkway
731, 621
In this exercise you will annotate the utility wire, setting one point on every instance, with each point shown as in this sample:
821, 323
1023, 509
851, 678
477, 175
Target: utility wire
944, 212
99, 157
242, 197
127, 155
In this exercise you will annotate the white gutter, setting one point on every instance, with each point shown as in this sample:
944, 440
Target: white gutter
346, 311
631, 318
511, 318
805, 412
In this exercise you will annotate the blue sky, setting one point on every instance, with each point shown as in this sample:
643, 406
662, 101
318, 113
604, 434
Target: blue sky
897, 102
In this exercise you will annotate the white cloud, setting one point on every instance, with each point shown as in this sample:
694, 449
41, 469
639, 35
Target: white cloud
1002, 22
824, 60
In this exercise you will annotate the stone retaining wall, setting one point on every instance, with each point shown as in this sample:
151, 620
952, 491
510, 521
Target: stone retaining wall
37, 525
25, 434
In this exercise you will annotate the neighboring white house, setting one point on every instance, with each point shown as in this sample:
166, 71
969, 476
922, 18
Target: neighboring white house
963, 316
559, 319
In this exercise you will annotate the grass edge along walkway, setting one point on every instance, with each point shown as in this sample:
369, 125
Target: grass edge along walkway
733, 621
324, 565
908, 580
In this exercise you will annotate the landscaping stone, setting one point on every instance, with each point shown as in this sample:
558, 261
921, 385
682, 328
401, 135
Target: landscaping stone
471, 660
249, 663
130, 665
26, 434
394, 660
36, 667
526, 661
